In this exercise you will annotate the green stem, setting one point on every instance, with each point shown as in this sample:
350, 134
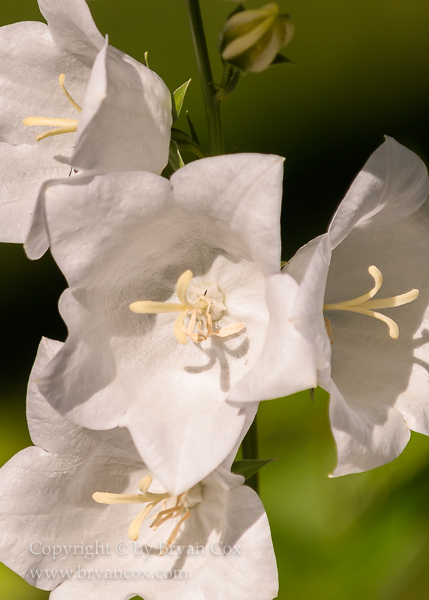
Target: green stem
250, 451
209, 92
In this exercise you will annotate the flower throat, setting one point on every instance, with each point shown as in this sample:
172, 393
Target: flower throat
203, 304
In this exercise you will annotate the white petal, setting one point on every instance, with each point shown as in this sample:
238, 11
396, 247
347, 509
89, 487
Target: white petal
368, 434
252, 573
37, 241
287, 363
72, 27
309, 267
183, 439
126, 118
23, 169
392, 185
240, 194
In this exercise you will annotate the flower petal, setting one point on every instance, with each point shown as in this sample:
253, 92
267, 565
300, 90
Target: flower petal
72, 27
367, 435
239, 193
392, 185
126, 117
287, 363
23, 169
309, 267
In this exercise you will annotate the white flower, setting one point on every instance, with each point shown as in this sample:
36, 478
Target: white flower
50, 523
212, 234
125, 117
373, 262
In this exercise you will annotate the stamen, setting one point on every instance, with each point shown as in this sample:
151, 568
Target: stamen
176, 530
364, 305
75, 105
165, 515
199, 309
147, 307
182, 286
107, 498
152, 499
144, 484
62, 125
134, 528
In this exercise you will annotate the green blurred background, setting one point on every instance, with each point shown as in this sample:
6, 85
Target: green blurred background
361, 72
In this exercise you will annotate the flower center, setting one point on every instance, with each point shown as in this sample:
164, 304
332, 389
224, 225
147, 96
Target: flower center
203, 303
364, 305
60, 125
172, 507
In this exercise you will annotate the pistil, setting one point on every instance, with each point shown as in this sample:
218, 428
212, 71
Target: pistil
200, 310
172, 508
364, 305
60, 125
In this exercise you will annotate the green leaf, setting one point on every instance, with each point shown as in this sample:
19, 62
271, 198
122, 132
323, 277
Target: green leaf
174, 157
312, 390
146, 59
184, 142
192, 128
178, 98
281, 60
249, 467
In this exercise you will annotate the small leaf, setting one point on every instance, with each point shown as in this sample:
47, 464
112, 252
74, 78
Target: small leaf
178, 98
281, 60
249, 467
146, 59
184, 142
192, 128
174, 156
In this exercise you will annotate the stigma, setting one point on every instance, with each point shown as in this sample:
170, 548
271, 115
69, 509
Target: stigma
365, 305
172, 508
203, 304
60, 125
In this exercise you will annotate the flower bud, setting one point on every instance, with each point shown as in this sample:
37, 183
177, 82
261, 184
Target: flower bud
251, 39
